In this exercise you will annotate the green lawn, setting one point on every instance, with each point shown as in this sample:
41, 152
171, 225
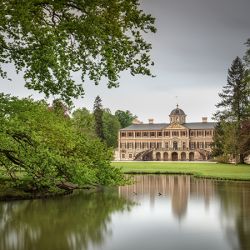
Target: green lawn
209, 170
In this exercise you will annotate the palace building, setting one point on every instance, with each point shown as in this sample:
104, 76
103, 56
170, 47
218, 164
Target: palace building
174, 141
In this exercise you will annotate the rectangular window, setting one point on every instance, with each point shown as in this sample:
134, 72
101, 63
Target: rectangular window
159, 134
145, 134
123, 156
192, 133
137, 145
166, 133
166, 144
130, 156
123, 134
130, 145
175, 133
208, 133
183, 133
130, 134
152, 134
138, 134
159, 146
200, 133
123, 145
144, 145
152, 144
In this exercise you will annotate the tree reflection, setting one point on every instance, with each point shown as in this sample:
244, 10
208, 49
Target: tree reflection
235, 213
71, 222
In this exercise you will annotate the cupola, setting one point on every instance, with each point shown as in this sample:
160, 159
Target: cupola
177, 116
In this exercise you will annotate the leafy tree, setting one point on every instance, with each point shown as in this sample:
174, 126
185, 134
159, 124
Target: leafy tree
125, 117
49, 151
111, 126
98, 113
51, 39
245, 138
234, 108
59, 107
84, 121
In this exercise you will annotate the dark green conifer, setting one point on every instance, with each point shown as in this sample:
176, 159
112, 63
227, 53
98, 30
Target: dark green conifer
98, 113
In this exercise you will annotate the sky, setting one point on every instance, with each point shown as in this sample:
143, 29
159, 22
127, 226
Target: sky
195, 44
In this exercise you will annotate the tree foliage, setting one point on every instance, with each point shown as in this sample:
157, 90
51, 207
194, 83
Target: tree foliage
111, 126
49, 151
218, 140
102, 122
234, 96
247, 54
51, 39
98, 113
125, 117
84, 121
233, 113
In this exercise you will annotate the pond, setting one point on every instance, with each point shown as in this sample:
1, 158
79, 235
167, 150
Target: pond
158, 212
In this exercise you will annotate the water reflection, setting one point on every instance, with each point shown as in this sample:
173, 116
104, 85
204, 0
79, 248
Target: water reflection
232, 199
177, 188
157, 212
72, 222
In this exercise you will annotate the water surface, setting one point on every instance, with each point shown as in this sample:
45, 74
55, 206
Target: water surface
158, 212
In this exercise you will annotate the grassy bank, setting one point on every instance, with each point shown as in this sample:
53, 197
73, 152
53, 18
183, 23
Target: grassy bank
208, 170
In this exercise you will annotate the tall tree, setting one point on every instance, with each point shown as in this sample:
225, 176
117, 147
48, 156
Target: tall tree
247, 62
84, 121
245, 138
218, 140
125, 117
51, 39
98, 113
234, 106
111, 126
59, 107
247, 54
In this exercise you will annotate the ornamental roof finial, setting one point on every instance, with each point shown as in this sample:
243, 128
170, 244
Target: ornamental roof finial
177, 105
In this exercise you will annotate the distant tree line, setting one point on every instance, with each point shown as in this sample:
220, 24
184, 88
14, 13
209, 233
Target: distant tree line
102, 123
232, 132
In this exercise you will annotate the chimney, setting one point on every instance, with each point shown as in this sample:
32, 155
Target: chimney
151, 121
204, 119
136, 121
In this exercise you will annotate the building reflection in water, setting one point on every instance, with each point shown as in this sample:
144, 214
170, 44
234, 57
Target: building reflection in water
177, 188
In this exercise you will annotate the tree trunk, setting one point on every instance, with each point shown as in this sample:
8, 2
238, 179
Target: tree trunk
241, 159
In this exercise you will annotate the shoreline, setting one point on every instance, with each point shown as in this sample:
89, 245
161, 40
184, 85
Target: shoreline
187, 173
217, 171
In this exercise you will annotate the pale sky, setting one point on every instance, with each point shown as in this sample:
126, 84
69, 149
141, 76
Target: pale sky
195, 44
